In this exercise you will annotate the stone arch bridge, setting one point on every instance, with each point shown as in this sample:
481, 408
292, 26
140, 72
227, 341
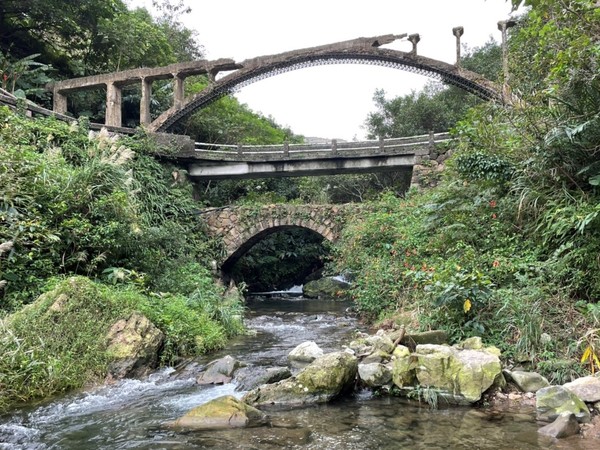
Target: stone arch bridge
240, 227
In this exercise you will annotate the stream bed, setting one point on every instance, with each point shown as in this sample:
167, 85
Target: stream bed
131, 414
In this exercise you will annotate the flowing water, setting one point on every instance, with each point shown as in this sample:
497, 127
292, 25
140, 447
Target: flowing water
132, 414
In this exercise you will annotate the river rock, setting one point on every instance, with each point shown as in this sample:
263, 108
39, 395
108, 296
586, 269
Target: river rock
551, 401
403, 367
527, 381
222, 412
380, 341
377, 356
327, 287
375, 374
321, 381
219, 371
464, 375
248, 378
304, 354
564, 426
133, 346
438, 337
586, 388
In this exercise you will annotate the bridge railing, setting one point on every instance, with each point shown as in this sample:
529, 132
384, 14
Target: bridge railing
332, 148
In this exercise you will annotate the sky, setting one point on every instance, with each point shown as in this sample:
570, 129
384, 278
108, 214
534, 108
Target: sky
333, 101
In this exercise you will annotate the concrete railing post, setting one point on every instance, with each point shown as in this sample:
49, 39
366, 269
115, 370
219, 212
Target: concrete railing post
178, 90
334, 146
145, 117
286, 148
458, 32
239, 149
431, 143
381, 145
414, 40
59, 102
503, 26
113, 105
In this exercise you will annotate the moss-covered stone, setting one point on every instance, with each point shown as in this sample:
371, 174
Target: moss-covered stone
321, 381
327, 287
222, 412
552, 401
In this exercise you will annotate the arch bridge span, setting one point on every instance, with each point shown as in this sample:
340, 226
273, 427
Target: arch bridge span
361, 51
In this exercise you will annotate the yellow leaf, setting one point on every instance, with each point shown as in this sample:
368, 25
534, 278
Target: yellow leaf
467, 305
586, 354
596, 360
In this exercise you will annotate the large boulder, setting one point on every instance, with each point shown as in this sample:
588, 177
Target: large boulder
586, 388
461, 375
438, 337
552, 401
304, 354
328, 287
251, 377
132, 346
222, 412
324, 379
219, 371
527, 381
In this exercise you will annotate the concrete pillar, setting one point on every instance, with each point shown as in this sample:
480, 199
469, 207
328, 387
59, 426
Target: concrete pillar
178, 91
286, 149
381, 145
113, 105
59, 102
414, 40
431, 143
239, 149
334, 146
145, 117
503, 26
458, 32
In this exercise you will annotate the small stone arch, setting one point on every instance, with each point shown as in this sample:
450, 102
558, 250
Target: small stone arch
241, 227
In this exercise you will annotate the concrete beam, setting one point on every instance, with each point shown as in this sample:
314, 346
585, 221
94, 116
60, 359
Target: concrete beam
244, 170
127, 77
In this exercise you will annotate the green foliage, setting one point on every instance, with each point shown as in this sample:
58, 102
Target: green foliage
58, 342
281, 260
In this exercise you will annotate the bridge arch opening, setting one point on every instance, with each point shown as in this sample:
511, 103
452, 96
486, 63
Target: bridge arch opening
277, 258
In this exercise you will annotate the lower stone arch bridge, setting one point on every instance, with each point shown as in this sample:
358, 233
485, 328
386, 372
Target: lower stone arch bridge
240, 227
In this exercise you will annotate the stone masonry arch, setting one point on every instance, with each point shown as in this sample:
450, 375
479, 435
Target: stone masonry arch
240, 227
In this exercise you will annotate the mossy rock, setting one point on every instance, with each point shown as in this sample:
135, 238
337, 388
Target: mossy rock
220, 413
327, 287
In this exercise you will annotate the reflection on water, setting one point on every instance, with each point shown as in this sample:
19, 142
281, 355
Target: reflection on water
131, 414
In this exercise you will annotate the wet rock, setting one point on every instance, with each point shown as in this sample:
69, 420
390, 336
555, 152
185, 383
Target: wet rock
564, 426
324, 379
219, 371
375, 374
463, 374
328, 287
249, 378
304, 354
586, 388
133, 346
552, 401
222, 412
527, 381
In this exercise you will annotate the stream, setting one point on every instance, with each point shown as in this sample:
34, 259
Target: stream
131, 414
